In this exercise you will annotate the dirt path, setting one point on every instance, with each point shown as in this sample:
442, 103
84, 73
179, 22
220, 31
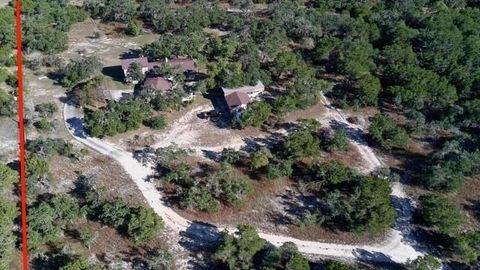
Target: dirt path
398, 247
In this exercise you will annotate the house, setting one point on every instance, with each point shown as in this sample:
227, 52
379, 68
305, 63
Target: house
237, 99
184, 64
158, 83
251, 91
141, 61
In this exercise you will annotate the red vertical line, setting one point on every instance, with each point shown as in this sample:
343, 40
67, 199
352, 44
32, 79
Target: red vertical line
21, 135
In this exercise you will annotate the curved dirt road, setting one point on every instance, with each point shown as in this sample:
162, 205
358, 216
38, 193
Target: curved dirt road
397, 247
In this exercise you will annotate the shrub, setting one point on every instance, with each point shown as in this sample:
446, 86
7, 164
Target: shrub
384, 131
80, 70
157, 122
466, 246
438, 212
332, 172
336, 265
47, 146
231, 156
300, 143
8, 177
7, 104
339, 141
144, 224
279, 168
46, 109
117, 117
43, 124
235, 191
255, 115
134, 27
114, 213
36, 166
201, 199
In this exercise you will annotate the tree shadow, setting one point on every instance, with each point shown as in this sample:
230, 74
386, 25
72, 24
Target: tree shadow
473, 206
76, 126
200, 236
114, 72
354, 134
379, 258
131, 53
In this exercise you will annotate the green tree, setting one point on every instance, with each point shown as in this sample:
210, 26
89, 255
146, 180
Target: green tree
369, 88
8, 177
134, 27
7, 104
419, 88
255, 115
284, 257
339, 141
77, 264
466, 246
36, 166
384, 131
367, 207
157, 122
67, 207
200, 198
279, 168
115, 213
438, 212
79, 70
42, 228
336, 265
231, 156
237, 252
43, 124
8, 213
332, 172
87, 236
112, 10
47, 109
300, 143
144, 224
260, 159
235, 190
117, 117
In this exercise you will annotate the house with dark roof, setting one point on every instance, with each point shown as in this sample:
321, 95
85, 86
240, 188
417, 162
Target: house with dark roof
185, 64
158, 83
237, 99
141, 61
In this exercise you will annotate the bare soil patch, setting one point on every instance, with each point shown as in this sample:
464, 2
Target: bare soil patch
101, 170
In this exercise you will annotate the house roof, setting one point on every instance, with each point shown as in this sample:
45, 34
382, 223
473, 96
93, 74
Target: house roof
142, 61
236, 99
158, 83
259, 87
185, 64
182, 63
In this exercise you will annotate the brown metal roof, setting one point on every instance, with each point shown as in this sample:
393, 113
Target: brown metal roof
185, 64
142, 61
236, 99
158, 83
